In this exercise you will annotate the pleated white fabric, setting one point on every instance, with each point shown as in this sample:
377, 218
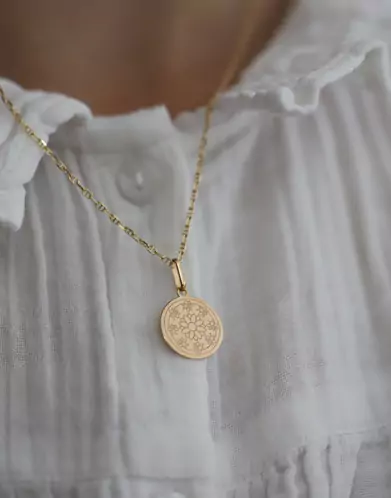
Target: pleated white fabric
291, 244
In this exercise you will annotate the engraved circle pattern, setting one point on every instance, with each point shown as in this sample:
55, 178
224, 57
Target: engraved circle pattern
191, 327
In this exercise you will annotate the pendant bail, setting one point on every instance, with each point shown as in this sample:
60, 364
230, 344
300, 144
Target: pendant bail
179, 279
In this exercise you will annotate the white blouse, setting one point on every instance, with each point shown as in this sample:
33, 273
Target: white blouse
291, 244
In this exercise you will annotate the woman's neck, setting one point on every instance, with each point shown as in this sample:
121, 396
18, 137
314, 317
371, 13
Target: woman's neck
123, 55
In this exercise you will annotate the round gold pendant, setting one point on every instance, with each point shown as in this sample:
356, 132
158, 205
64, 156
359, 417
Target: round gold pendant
191, 328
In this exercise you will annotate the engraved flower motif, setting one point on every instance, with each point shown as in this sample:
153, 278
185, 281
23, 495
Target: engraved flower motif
173, 328
187, 307
203, 311
192, 326
175, 313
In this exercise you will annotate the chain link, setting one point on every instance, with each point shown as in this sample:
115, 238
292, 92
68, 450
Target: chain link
88, 194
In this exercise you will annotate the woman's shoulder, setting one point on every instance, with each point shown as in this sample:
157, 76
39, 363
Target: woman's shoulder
319, 45
19, 155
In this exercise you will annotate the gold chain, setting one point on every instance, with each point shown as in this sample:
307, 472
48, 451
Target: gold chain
88, 194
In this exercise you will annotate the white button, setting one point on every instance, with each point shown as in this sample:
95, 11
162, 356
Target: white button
140, 176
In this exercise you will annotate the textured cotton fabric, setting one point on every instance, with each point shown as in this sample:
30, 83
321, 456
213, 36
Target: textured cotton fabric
291, 244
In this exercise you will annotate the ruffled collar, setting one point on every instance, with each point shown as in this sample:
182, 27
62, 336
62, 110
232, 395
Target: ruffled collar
319, 44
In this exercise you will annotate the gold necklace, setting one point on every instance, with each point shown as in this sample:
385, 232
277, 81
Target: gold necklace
189, 325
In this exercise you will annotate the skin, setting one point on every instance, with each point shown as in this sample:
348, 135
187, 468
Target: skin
122, 55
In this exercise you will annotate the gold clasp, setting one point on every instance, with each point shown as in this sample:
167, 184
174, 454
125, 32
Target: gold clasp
179, 279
